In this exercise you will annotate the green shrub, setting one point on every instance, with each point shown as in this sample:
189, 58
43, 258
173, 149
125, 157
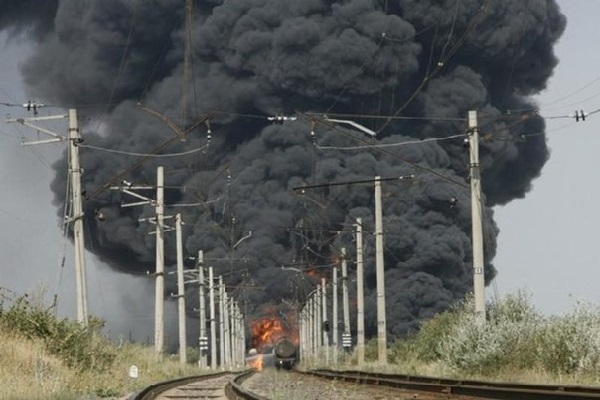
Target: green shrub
78, 346
487, 347
433, 331
571, 344
514, 337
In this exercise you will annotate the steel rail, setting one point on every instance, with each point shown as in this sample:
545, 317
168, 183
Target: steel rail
154, 390
483, 389
235, 391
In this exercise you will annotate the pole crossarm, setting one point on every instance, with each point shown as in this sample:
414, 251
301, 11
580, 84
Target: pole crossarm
356, 125
28, 123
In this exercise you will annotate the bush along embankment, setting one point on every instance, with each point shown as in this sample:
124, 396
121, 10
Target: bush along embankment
515, 339
79, 347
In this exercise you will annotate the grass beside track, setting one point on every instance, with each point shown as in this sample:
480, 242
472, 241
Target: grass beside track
29, 372
47, 358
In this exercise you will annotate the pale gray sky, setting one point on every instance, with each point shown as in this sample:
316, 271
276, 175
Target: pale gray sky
31, 243
547, 240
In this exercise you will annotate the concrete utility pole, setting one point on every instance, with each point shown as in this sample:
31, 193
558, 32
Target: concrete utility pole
310, 329
159, 293
221, 324
334, 305
319, 319
202, 340
234, 332
345, 299
242, 337
158, 220
226, 331
307, 349
180, 292
380, 276
75, 172
325, 322
213, 327
360, 296
315, 322
477, 216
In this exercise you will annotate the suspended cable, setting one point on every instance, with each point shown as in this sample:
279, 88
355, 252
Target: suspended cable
399, 144
367, 58
442, 61
391, 117
414, 164
150, 155
117, 79
181, 133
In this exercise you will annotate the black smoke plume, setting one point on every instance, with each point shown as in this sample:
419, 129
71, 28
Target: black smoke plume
122, 64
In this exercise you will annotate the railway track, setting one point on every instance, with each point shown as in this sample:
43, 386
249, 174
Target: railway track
452, 387
351, 385
222, 385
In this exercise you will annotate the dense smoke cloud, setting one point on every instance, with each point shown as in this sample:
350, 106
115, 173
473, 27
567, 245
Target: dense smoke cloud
432, 60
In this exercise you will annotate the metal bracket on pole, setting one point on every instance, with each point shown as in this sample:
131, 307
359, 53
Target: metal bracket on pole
27, 122
73, 218
138, 203
358, 126
242, 239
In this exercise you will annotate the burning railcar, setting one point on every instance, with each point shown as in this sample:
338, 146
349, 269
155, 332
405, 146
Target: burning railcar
274, 343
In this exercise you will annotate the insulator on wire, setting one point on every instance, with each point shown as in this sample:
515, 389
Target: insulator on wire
280, 119
313, 135
208, 131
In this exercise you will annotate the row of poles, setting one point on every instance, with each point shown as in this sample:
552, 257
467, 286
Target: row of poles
309, 318
314, 325
231, 335
232, 332
314, 339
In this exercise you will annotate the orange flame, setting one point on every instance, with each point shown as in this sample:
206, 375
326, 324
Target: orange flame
313, 272
266, 332
255, 361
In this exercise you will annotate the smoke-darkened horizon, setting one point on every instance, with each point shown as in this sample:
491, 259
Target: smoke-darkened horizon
425, 63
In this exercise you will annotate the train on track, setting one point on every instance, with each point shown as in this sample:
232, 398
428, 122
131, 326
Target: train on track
285, 353
282, 355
